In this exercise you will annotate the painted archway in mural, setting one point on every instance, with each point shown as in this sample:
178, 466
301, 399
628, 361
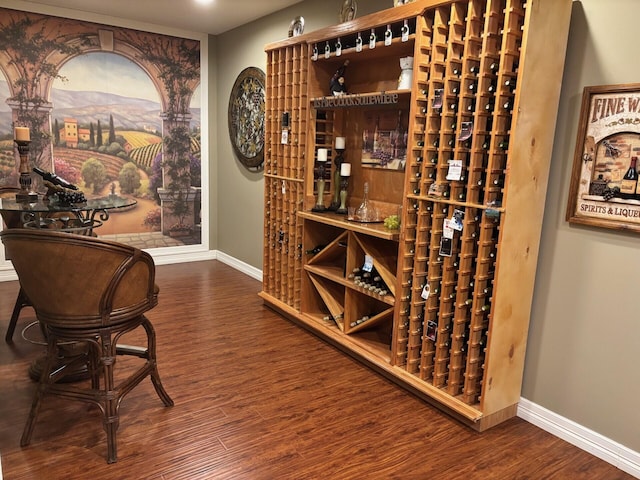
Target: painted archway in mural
95, 136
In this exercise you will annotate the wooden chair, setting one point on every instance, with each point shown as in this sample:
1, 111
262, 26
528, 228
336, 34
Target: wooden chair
91, 291
62, 221
12, 220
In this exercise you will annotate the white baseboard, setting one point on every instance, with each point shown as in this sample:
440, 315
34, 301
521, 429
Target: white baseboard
169, 255
161, 256
245, 268
596, 444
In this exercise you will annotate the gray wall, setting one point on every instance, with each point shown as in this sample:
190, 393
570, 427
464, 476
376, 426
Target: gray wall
582, 353
240, 192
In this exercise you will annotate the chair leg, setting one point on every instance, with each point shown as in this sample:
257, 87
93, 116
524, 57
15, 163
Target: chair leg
43, 386
21, 302
111, 398
155, 376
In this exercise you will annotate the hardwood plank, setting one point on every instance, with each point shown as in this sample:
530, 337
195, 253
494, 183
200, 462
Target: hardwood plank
257, 397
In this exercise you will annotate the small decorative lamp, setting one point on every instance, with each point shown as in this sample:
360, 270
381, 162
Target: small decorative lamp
22, 138
322, 160
337, 162
345, 173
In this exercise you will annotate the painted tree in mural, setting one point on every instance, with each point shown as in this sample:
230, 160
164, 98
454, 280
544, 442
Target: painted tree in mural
178, 64
29, 43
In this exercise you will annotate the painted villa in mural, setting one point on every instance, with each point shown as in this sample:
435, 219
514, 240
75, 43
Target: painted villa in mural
110, 109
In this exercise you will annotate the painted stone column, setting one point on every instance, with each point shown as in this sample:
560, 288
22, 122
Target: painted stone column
177, 196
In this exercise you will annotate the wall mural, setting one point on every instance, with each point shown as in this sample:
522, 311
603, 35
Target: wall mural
111, 109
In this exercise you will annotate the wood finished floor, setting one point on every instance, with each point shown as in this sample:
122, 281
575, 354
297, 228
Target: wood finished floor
257, 397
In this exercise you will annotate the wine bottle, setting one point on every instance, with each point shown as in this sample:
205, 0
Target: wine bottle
359, 43
405, 31
630, 180
314, 250
55, 179
388, 36
510, 83
489, 106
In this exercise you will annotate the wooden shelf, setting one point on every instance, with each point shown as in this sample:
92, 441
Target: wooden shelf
334, 274
374, 229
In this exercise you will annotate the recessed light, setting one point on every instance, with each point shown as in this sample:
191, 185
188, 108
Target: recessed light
204, 2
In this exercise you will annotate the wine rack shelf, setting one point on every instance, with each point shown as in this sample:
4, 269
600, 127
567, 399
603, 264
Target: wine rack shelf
442, 304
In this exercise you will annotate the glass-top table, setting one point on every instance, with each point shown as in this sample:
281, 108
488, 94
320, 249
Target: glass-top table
79, 218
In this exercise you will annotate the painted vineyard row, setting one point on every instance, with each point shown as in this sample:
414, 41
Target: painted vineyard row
76, 159
139, 139
143, 156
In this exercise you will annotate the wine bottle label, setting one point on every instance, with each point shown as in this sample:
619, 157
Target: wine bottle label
446, 247
372, 39
437, 98
388, 36
432, 329
314, 55
456, 220
628, 186
327, 50
368, 263
455, 170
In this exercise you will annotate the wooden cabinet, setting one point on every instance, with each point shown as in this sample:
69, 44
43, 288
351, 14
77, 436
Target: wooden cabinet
462, 151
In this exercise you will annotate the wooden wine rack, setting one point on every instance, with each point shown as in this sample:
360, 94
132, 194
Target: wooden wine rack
284, 169
452, 322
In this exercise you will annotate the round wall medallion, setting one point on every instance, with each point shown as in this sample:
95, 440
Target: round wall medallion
246, 117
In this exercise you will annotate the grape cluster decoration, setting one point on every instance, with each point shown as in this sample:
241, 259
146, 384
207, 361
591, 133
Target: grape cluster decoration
68, 197
609, 193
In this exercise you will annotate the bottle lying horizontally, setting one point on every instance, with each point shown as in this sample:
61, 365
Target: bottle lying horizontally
55, 179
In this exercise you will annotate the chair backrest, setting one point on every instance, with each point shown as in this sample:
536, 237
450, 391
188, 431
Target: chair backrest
11, 219
75, 281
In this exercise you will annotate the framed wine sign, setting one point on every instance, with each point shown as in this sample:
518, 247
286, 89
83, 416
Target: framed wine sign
605, 191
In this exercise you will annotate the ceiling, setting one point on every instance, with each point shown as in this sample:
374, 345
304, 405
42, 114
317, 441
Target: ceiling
214, 18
